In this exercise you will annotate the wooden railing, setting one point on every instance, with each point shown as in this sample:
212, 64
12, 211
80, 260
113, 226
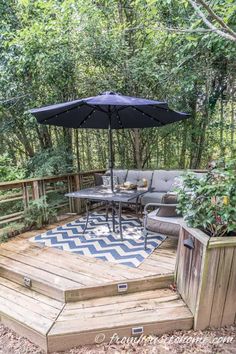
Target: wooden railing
16, 195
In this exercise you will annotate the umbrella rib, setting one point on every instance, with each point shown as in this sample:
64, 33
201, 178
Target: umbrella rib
58, 114
149, 105
119, 120
97, 107
171, 110
71, 109
87, 117
148, 115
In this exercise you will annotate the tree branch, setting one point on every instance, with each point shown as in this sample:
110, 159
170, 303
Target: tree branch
223, 34
170, 29
216, 17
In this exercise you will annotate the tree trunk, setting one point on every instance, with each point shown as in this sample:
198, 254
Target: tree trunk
221, 126
69, 147
232, 125
137, 152
182, 162
77, 149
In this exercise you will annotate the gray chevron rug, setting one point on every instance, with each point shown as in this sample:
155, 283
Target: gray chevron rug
100, 242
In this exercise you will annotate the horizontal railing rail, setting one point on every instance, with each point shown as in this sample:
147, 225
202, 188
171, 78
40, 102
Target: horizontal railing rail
15, 196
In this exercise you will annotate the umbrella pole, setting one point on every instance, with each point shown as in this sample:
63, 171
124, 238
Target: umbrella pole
111, 165
110, 151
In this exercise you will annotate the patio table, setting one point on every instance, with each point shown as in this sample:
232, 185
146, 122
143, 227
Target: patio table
111, 198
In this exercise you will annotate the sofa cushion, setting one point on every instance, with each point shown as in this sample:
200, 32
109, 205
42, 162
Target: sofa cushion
164, 225
163, 179
121, 174
152, 197
136, 175
132, 176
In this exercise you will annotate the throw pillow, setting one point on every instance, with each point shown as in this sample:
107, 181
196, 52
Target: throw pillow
168, 211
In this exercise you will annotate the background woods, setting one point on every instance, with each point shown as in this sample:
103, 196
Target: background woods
58, 50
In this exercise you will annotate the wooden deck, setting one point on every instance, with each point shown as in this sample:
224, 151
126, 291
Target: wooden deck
68, 277
66, 287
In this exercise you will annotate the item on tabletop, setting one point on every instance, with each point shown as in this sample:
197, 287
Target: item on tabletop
107, 181
142, 185
128, 185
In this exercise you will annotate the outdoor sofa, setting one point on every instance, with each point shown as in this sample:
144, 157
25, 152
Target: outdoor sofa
159, 201
160, 182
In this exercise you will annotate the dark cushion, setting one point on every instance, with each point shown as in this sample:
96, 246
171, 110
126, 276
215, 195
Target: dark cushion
163, 227
168, 211
98, 179
152, 197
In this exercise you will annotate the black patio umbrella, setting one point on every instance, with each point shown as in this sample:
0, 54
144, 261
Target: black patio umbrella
108, 110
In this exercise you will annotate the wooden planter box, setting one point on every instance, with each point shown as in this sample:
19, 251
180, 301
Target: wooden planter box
206, 278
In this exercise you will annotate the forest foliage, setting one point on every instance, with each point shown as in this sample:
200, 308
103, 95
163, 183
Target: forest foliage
58, 50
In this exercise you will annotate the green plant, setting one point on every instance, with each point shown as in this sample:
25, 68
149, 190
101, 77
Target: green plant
11, 230
8, 171
39, 213
3, 236
209, 202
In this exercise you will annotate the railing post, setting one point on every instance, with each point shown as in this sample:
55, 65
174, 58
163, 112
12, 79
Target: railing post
25, 194
35, 190
70, 189
77, 184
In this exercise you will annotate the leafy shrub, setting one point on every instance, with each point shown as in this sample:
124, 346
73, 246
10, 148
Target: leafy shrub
39, 213
11, 230
50, 162
3, 237
8, 171
209, 202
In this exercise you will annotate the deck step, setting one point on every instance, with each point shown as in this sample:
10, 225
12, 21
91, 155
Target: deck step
150, 312
27, 312
55, 326
39, 280
67, 278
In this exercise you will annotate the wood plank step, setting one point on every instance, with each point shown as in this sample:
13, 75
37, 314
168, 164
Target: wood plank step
43, 263
29, 314
135, 285
31, 293
76, 262
157, 312
41, 281
67, 278
55, 326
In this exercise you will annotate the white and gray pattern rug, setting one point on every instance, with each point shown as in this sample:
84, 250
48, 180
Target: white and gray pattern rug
100, 242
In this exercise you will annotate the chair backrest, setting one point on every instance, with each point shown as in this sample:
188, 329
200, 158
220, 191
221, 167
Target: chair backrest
162, 180
159, 180
134, 176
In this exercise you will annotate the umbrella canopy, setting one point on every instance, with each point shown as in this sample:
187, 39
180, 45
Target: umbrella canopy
108, 110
